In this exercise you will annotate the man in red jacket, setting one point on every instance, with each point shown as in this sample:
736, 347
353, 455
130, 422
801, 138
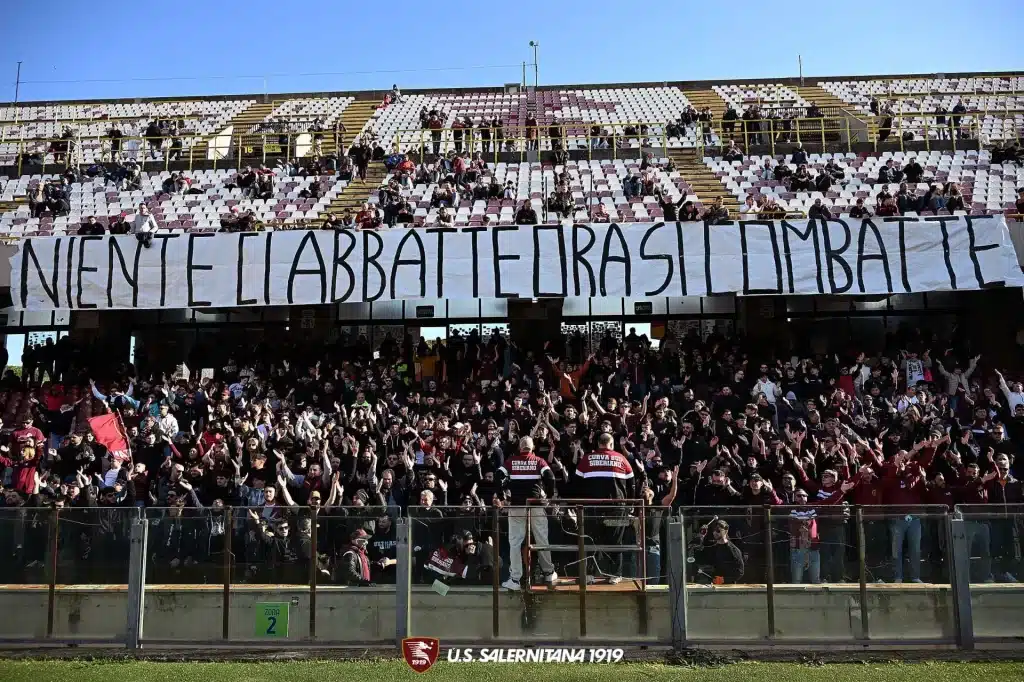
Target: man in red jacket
26, 431
903, 488
969, 488
24, 462
831, 524
868, 492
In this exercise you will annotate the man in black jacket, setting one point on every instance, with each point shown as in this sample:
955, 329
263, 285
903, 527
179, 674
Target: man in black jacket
479, 559
91, 227
354, 568
120, 226
383, 551
669, 208
720, 555
913, 171
958, 112
526, 215
799, 155
729, 120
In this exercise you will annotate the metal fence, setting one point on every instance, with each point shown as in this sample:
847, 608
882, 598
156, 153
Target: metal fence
814, 575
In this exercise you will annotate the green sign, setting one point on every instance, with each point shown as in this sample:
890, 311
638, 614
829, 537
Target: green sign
272, 619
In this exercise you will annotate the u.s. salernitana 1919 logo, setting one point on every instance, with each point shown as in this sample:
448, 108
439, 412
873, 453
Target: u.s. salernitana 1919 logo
420, 652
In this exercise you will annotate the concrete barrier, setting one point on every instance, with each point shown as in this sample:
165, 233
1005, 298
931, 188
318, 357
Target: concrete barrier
368, 615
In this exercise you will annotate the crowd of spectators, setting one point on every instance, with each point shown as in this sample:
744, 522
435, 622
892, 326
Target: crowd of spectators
464, 177
443, 433
463, 174
939, 196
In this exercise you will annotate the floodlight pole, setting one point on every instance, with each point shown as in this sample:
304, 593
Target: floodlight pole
536, 78
17, 85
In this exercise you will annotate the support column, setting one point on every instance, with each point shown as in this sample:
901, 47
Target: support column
677, 583
136, 583
960, 543
403, 582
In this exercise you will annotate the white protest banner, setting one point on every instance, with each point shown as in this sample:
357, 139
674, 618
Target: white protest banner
308, 267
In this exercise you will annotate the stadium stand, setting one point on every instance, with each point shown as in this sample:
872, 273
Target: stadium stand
217, 194
371, 421
987, 188
589, 183
766, 96
31, 129
599, 135
576, 110
994, 102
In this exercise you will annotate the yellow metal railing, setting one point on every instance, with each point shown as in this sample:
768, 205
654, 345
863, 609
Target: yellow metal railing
140, 151
617, 136
523, 139
771, 132
966, 134
10, 131
622, 139
224, 151
987, 110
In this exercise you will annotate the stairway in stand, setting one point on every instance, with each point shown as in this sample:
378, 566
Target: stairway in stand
241, 122
703, 182
355, 194
827, 102
357, 191
821, 97
354, 118
707, 98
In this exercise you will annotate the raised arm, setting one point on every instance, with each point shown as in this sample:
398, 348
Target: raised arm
282, 487
96, 392
325, 464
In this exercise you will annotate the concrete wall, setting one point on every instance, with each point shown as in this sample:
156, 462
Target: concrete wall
730, 613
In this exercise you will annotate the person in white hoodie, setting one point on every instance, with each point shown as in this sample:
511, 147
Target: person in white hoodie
765, 385
144, 225
1013, 392
860, 373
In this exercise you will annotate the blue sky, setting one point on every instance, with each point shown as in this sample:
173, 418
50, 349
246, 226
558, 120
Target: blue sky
122, 48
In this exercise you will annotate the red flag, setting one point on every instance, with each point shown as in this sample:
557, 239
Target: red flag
108, 431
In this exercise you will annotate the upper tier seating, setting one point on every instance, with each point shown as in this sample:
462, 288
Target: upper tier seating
991, 101
600, 181
765, 95
585, 108
91, 121
987, 188
306, 109
96, 197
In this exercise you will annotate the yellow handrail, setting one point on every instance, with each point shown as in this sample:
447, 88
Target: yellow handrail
42, 147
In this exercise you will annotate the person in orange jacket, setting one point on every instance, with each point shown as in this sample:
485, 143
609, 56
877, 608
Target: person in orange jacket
569, 378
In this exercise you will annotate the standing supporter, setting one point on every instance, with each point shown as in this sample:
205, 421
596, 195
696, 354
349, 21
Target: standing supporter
362, 433
527, 478
606, 474
144, 225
